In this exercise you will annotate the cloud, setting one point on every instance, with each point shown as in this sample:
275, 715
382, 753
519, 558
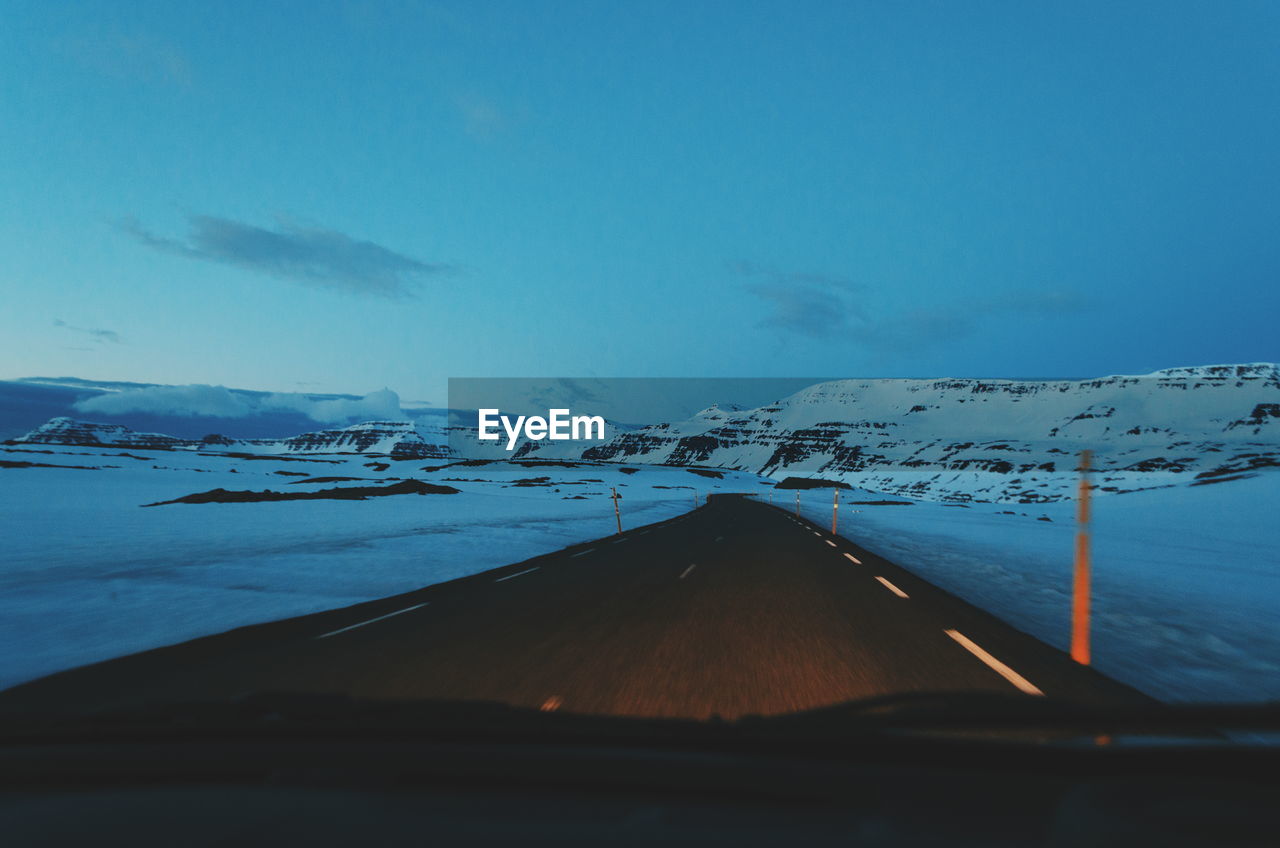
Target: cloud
482, 118
919, 329
215, 401
381, 405
130, 55
1041, 302
929, 327
820, 306
805, 303
221, 402
310, 255
811, 278
915, 329
99, 335
805, 310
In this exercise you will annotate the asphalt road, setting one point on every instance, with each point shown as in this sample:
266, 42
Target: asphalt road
736, 608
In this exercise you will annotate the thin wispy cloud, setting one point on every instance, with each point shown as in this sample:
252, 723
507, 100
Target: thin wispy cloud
313, 256
127, 55
822, 306
768, 272
482, 117
97, 334
930, 327
805, 303
915, 329
1041, 301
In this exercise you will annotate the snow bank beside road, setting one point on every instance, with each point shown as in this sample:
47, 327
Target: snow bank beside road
87, 575
1186, 580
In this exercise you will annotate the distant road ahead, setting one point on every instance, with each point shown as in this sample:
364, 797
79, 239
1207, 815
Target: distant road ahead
733, 609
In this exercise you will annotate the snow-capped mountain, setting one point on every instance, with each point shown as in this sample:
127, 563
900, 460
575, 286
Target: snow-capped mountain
69, 431
996, 440
943, 439
192, 410
395, 439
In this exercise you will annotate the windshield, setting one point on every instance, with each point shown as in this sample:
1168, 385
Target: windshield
663, 361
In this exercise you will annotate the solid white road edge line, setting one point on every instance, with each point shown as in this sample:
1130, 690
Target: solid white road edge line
685, 573
997, 666
370, 621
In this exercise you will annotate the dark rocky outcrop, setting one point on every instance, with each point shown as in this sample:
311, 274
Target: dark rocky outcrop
347, 493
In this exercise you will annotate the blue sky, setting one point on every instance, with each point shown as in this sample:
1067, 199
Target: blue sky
346, 196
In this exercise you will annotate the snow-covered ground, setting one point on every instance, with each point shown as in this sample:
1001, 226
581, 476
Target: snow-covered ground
1186, 580
87, 574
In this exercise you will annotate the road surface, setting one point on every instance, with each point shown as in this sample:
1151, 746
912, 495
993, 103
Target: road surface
736, 608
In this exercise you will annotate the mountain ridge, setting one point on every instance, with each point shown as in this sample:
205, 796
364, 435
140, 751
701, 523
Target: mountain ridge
961, 439
948, 439
395, 439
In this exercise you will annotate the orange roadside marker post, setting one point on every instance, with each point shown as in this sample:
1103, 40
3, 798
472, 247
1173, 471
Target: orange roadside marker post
1080, 588
797, 503
835, 508
617, 513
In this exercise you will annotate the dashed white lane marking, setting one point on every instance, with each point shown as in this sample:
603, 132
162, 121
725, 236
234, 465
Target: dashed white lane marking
582, 553
997, 666
816, 533
617, 541
853, 559
517, 574
641, 532
685, 573
892, 588
370, 621
831, 543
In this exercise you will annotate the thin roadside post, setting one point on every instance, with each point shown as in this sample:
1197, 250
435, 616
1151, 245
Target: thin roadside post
1080, 590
